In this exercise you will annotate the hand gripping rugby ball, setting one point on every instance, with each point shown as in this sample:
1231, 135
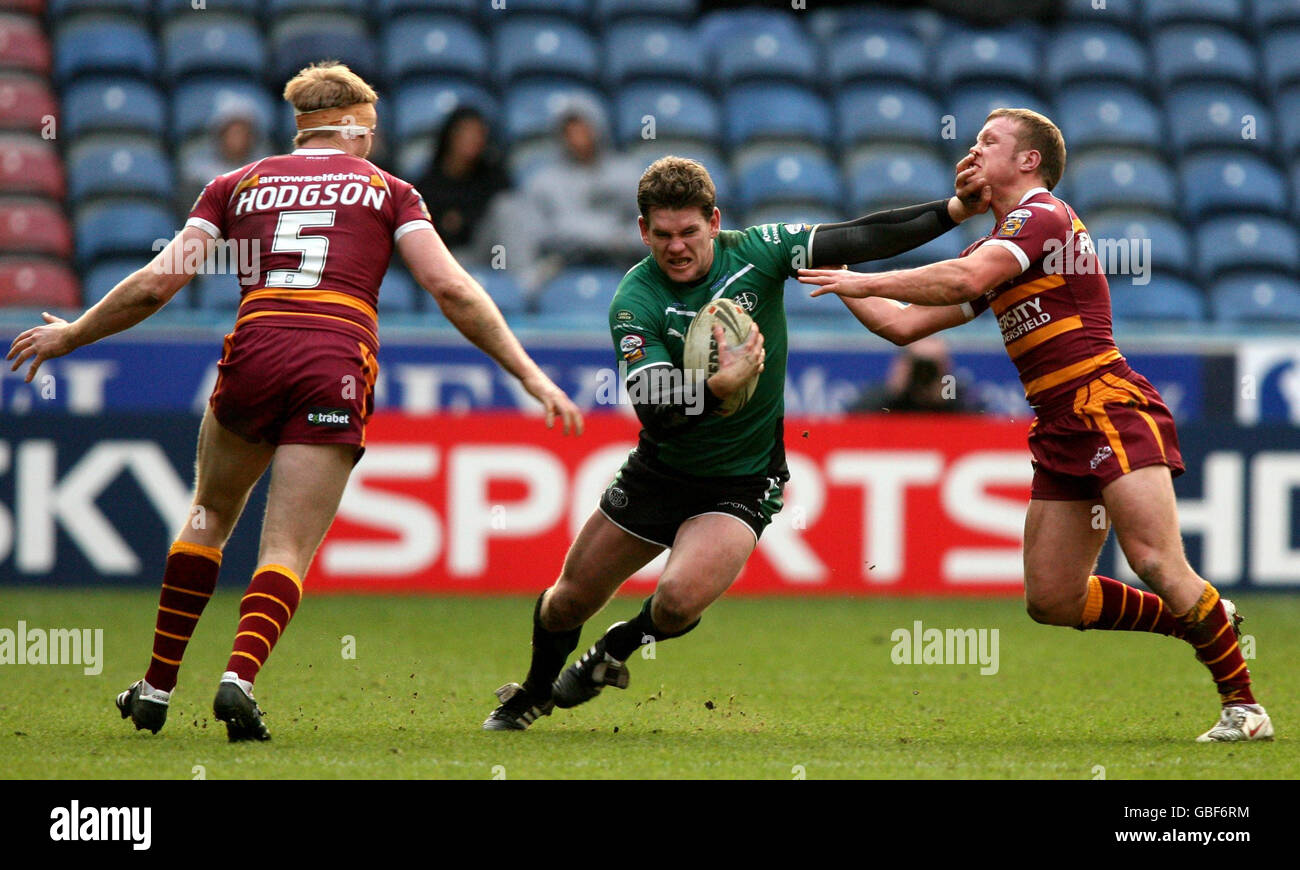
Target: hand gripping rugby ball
701, 350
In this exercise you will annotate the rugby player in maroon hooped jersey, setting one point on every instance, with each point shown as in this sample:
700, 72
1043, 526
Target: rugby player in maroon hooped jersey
295, 381
1101, 433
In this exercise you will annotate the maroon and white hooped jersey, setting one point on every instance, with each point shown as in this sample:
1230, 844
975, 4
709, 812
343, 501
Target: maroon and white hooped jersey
322, 224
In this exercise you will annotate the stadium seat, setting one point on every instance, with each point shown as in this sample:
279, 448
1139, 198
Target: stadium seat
398, 290
23, 46
540, 45
100, 45
123, 227
433, 45
1230, 13
212, 44
945, 247
28, 282
279, 8
129, 168
30, 164
26, 102
1219, 115
33, 226
60, 9
167, 9
776, 110
1275, 13
794, 177
107, 274
766, 53
1287, 104
827, 23
305, 37
1187, 53
196, 102
719, 168
1281, 58
113, 104
986, 57
885, 112
714, 26
1121, 179
1246, 242
219, 293
503, 289
1256, 299
677, 111
636, 49
1137, 239
1123, 13
579, 297
971, 106
798, 214
1163, 299
607, 12
892, 177
1094, 53
875, 56
1231, 181
421, 106
1108, 115
532, 109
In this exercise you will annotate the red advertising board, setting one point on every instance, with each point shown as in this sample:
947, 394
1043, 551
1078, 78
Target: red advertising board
488, 503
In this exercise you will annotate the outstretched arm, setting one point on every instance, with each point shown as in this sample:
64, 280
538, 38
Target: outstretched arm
137, 296
472, 311
904, 324
949, 282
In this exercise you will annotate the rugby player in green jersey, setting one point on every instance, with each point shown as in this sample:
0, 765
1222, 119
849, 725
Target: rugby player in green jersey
699, 482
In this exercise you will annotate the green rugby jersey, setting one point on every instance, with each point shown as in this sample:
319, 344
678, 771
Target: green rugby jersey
650, 314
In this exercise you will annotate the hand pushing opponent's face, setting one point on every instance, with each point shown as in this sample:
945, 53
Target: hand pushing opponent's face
681, 240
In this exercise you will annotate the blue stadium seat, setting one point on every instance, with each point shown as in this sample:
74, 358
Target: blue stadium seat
1170, 245
1108, 115
806, 213
608, 12
420, 106
1093, 53
1163, 299
885, 112
678, 111
1121, 179
185, 8
578, 10
795, 177
802, 308
873, 55
127, 169
1123, 13
1287, 104
537, 45
306, 37
280, 8
1275, 13
398, 290
892, 177
637, 49
1281, 57
1232, 181
532, 109
196, 102
1193, 53
212, 43
578, 298
1246, 242
503, 289
1256, 299
106, 274
61, 9
113, 104
767, 54
1217, 116
103, 46
714, 26
218, 293
828, 23
125, 227
970, 106
987, 57
945, 247
386, 9
1230, 13
433, 44
776, 111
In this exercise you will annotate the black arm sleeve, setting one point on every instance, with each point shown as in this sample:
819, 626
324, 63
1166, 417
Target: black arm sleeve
880, 234
665, 405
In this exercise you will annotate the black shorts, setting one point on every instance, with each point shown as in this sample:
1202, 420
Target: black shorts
651, 500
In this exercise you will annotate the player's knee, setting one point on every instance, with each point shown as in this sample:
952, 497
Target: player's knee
675, 607
563, 610
1148, 564
1053, 609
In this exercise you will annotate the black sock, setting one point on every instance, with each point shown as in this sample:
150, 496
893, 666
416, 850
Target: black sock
550, 651
624, 639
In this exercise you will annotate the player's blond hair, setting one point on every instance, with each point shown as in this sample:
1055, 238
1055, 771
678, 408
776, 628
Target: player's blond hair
1038, 133
326, 85
675, 183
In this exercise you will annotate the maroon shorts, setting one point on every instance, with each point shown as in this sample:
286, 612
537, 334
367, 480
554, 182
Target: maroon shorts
295, 386
1117, 423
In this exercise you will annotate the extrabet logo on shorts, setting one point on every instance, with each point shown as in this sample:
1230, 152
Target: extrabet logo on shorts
339, 417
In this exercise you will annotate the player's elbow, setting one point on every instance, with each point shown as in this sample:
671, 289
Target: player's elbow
449, 291
897, 333
963, 288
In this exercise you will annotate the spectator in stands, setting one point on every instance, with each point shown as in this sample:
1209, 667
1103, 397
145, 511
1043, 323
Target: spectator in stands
920, 379
464, 177
236, 140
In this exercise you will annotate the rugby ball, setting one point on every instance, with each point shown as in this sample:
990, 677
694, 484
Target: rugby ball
701, 350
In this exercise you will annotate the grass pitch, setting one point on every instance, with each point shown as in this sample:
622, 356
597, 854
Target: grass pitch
765, 688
